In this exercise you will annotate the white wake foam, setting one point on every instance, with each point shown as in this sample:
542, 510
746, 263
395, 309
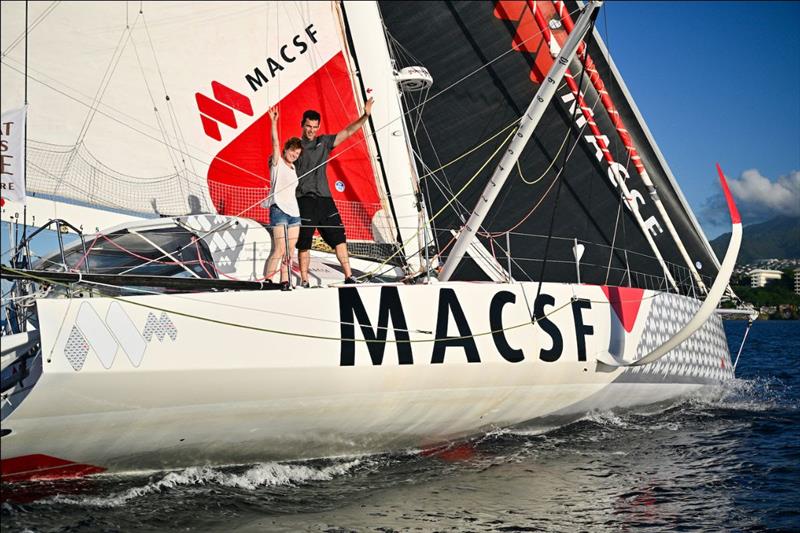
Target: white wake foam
261, 475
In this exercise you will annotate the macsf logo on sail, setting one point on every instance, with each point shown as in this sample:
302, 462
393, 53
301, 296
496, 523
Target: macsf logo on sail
221, 108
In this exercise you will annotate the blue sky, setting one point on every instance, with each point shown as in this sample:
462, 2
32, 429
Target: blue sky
717, 82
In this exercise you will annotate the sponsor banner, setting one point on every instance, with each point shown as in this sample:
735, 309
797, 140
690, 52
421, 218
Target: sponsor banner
12, 155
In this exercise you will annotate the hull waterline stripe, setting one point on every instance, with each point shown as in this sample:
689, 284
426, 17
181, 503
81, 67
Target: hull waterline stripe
41, 466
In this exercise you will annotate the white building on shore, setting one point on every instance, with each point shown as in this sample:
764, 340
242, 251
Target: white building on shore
760, 276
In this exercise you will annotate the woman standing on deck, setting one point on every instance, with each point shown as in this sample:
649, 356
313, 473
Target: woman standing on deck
284, 215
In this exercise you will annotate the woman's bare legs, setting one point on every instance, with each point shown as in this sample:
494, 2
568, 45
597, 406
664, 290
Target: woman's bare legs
277, 252
294, 231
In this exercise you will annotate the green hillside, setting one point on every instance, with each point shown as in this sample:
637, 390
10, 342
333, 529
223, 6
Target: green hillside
778, 238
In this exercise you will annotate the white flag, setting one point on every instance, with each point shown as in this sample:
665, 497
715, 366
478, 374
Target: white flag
12, 155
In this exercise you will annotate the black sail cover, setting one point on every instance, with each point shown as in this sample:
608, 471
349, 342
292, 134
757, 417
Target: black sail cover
561, 190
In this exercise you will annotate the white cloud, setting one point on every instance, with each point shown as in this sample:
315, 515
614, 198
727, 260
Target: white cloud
757, 193
757, 197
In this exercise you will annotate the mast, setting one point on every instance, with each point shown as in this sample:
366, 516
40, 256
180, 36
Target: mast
25, 135
597, 82
390, 135
527, 125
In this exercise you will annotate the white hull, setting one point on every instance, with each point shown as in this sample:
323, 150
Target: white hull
124, 387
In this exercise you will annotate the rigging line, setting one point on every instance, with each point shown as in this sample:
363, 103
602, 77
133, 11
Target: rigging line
30, 28
177, 131
449, 202
106, 80
463, 213
625, 242
613, 242
561, 170
552, 161
184, 149
177, 262
616, 230
558, 175
161, 128
510, 125
427, 197
288, 333
563, 166
442, 185
424, 99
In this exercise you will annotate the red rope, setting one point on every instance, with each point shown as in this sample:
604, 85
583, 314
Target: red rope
86, 254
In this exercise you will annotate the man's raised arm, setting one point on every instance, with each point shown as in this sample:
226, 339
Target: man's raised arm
355, 126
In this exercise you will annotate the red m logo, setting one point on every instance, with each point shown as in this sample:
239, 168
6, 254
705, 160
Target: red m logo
212, 112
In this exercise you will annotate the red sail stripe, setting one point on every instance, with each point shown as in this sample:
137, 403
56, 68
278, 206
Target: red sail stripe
579, 101
597, 81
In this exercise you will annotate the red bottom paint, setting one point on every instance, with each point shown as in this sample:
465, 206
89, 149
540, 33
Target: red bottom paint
461, 452
43, 467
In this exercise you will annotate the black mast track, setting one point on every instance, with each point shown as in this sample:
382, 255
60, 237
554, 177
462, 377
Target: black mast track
352, 50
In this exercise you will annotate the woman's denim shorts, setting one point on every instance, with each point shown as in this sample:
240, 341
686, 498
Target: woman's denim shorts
278, 218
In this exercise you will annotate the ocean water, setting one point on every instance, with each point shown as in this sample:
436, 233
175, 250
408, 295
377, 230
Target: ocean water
725, 461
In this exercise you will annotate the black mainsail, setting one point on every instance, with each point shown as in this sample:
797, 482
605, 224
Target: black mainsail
485, 59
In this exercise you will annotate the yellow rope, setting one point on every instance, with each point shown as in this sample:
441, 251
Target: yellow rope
552, 162
465, 154
453, 199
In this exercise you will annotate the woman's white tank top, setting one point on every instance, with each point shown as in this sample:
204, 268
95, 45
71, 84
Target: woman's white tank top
283, 182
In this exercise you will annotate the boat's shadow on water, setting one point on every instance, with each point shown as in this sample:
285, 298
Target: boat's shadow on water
643, 468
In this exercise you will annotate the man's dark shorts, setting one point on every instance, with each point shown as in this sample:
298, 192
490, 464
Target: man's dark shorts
319, 213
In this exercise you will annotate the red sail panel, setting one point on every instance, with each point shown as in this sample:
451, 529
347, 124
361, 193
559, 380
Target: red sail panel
238, 177
528, 37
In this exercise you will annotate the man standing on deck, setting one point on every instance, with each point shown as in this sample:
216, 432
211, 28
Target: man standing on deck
317, 210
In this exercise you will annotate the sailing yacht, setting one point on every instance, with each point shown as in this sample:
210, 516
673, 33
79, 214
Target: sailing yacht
523, 247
